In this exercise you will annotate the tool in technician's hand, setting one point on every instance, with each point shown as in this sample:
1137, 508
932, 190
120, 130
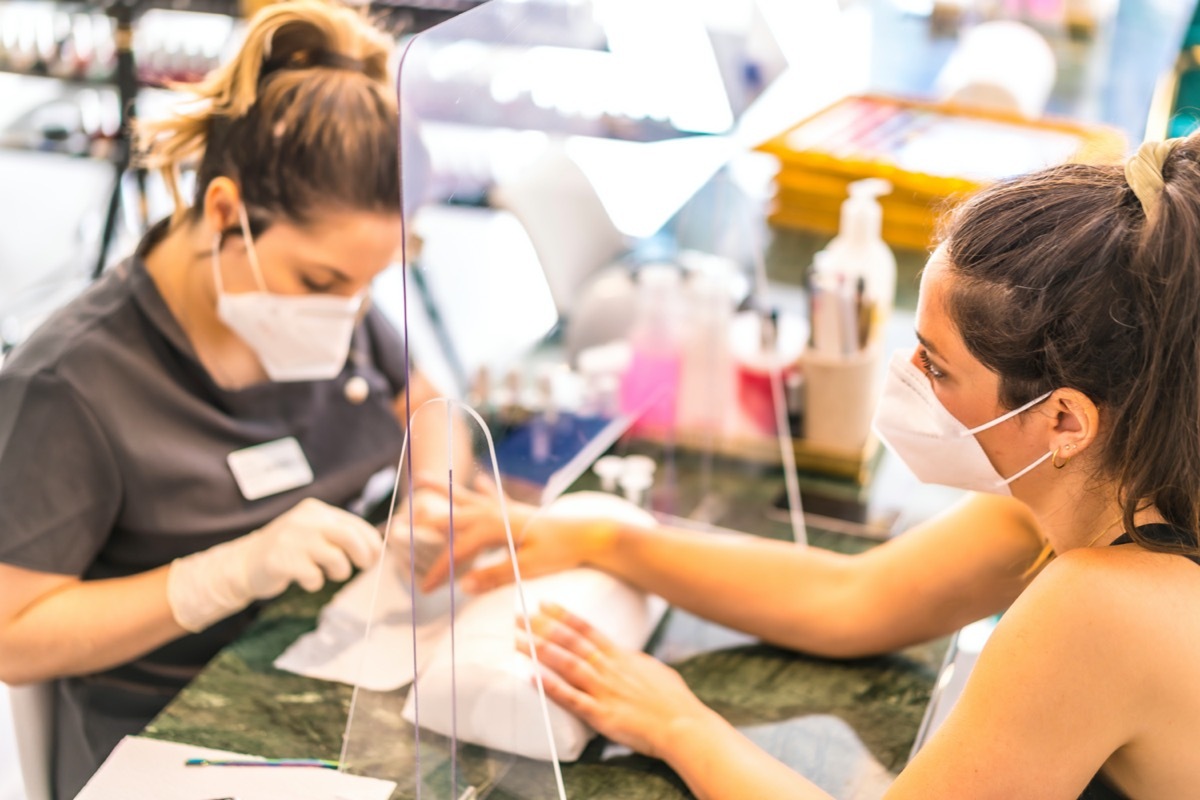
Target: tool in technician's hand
427, 544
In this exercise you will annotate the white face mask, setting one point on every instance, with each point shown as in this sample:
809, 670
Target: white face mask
938, 448
296, 338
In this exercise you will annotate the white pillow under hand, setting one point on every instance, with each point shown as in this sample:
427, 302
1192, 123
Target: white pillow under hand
497, 702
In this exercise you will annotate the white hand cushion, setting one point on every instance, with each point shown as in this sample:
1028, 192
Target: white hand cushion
497, 701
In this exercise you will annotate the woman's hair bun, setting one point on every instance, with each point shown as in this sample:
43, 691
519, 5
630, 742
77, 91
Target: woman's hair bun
315, 69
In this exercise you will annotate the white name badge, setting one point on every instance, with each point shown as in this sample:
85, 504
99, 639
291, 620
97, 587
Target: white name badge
270, 468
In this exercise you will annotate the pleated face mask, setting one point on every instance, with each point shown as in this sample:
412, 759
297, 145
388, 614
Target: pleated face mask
931, 442
295, 337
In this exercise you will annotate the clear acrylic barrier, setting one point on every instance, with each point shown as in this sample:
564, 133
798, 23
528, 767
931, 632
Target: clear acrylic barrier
456, 731
535, 286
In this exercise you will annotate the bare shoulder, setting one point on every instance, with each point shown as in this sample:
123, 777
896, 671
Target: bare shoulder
1095, 579
1122, 621
1125, 580
1118, 604
1082, 673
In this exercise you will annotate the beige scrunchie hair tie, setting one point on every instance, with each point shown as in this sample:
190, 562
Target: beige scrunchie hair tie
1144, 172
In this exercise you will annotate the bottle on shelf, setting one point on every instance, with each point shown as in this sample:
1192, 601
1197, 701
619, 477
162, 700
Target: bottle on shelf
650, 386
858, 256
706, 393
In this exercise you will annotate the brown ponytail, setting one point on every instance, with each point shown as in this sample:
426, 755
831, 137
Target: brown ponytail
1062, 281
303, 118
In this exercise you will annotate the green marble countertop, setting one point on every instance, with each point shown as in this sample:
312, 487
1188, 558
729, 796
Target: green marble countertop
847, 725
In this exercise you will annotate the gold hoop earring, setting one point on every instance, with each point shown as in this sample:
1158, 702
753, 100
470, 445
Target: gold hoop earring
1054, 457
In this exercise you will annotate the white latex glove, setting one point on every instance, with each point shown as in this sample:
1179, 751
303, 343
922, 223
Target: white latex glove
311, 542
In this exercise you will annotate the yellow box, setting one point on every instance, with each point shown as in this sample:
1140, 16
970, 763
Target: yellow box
932, 153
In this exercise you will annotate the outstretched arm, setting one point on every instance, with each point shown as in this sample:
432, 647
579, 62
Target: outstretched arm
969, 562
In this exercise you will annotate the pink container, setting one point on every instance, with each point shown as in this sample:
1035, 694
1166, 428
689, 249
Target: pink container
650, 390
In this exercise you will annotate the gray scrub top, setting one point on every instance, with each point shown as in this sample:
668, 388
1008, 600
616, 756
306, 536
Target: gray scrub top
113, 447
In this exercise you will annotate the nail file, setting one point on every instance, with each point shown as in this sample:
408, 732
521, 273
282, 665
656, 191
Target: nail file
426, 546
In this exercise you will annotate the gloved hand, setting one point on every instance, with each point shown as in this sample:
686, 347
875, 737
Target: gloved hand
311, 542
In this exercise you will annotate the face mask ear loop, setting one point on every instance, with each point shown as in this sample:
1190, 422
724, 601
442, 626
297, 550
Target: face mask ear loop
1031, 467
245, 222
363, 299
1008, 416
216, 264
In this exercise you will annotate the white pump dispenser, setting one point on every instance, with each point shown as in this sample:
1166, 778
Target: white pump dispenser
859, 250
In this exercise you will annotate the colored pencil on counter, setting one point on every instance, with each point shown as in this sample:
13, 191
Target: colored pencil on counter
265, 762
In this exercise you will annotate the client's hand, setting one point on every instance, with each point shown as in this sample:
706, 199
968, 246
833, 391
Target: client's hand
544, 544
630, 697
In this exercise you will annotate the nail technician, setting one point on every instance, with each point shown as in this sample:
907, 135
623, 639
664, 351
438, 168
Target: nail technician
1058, 373
178, 442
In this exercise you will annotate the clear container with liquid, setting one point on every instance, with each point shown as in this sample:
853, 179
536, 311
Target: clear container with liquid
706, 394
650, 386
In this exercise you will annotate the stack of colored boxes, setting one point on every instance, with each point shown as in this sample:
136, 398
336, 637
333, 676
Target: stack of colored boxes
933, 154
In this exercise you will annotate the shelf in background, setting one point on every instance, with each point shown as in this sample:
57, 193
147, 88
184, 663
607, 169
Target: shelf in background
88, 83
81, 83
20, 147
234, 8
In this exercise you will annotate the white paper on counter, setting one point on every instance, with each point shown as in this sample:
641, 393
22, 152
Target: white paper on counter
335, 650
148, 769
482, 677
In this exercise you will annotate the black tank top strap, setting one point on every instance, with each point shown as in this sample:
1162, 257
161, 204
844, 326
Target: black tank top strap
1159, 532
1101, 789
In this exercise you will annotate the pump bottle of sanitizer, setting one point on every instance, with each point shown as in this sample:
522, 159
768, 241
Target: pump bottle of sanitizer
858, 250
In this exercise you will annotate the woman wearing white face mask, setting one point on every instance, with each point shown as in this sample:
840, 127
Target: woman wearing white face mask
1060, 364
180, 441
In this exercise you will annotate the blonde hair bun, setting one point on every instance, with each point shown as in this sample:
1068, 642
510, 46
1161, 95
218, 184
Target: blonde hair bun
304, 68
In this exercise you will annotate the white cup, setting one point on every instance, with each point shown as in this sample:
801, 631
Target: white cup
1001, 65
